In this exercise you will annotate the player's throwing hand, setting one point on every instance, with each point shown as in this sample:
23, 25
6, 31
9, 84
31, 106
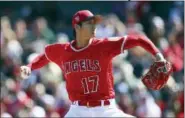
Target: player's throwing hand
25, 72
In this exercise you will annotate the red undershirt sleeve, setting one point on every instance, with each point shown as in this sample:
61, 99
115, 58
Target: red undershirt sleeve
51, 54
116, 45
38, 62
142, 41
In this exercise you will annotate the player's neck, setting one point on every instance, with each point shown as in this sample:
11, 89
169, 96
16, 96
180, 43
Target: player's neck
82, 42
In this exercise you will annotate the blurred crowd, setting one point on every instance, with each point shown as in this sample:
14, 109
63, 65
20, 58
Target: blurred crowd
44, 94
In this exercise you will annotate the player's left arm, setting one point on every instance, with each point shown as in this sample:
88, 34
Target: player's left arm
141, 40
117, 45
160, 71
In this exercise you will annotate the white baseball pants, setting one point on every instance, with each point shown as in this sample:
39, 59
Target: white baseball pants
100, 111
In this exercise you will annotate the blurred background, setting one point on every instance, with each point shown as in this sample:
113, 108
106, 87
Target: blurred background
26, 27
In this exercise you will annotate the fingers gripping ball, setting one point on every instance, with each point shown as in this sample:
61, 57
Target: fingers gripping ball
25, 72
158, 75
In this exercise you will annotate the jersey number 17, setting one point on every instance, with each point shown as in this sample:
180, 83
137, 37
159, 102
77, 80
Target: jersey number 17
86, 81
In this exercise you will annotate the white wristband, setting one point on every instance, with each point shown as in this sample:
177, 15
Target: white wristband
159, 57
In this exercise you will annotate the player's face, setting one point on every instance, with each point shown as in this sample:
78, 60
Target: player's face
88, 28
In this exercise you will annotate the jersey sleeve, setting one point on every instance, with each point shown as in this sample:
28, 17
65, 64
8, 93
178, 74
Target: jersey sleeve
114, 45
52, 52
38, 62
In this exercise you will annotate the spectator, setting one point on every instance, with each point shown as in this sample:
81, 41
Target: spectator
37, 111
157, 32
174, 54
43, 31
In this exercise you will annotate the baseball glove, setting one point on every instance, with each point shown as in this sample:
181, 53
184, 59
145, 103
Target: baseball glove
158, 75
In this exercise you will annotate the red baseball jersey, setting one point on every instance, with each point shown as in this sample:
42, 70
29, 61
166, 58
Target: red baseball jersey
88, 71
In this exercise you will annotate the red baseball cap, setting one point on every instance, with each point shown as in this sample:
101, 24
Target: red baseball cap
85, 15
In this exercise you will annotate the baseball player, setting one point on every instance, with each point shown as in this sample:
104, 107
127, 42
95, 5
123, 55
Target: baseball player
87, 67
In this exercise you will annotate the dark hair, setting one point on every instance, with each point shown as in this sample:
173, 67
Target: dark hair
74, 33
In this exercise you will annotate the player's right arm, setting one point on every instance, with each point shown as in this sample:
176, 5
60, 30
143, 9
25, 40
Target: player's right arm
37, 63
50, 55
